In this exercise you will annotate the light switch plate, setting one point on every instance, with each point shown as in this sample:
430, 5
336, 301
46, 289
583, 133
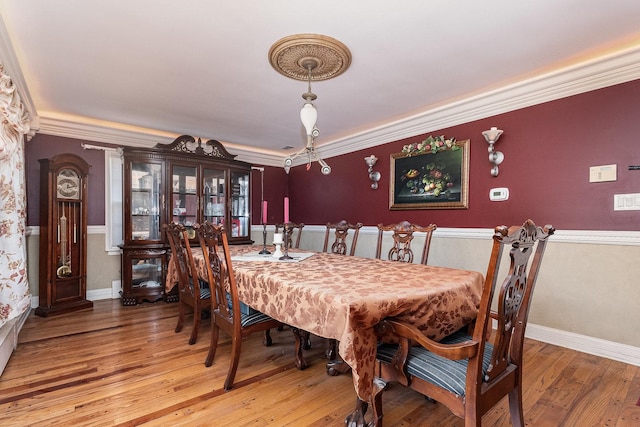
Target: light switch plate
603, 173
626, 202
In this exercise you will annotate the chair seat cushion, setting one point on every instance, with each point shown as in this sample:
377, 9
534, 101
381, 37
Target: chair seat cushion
253, 318
447, 374
205, 293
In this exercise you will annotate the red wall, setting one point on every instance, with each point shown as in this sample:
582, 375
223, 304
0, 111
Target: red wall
548, 150
46, 146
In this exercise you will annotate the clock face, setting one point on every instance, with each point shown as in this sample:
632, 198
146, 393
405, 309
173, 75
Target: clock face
68, 184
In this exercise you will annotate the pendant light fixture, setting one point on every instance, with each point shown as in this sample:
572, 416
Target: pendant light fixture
309, 57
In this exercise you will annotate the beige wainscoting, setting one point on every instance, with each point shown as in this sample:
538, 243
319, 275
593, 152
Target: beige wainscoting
102, 268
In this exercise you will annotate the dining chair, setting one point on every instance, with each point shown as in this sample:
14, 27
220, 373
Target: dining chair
473, 369
192, 291
294, 227
403, 234
227, 313
341, 231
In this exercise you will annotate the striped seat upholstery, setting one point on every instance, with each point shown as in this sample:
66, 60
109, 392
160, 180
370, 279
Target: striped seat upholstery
247, 320
448, 374
205, 292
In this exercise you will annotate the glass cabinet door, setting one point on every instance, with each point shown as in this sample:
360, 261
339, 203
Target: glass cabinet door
214, 199
146, 182
184, 196
240, 205
147, 272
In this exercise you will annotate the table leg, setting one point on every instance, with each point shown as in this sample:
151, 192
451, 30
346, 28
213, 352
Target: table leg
356, 418
337, 367
301, 339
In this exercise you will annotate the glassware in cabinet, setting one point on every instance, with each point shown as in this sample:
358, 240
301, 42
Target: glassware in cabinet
240, 205
145, 203
214, 195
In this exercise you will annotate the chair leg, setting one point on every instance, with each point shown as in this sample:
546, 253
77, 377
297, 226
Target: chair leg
197, 316
331, 351
236, 344
300, 361
515, 407
267, 341
379, 385
213, 345
181, 313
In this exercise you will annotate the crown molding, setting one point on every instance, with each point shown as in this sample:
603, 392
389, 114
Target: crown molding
607, 70
114, 133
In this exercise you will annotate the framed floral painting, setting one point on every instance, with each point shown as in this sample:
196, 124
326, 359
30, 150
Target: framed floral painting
432, 174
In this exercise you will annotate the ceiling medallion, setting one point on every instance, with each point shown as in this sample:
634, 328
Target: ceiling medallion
292, 56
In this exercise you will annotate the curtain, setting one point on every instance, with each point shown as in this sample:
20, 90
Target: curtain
14, 286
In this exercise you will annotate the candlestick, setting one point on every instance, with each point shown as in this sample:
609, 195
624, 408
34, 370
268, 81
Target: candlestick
287, 230
264, 250
286, 210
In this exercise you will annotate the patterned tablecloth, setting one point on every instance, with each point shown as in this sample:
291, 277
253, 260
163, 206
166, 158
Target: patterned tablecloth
344, 297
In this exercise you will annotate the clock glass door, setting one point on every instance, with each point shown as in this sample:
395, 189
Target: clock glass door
68, 254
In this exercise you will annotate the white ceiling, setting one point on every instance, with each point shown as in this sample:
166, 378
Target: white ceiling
140, 70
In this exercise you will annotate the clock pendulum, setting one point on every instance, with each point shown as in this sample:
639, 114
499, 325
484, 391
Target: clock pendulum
65, 249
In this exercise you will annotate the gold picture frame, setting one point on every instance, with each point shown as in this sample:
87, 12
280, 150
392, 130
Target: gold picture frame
430, 180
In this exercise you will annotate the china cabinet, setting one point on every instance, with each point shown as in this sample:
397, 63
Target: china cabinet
187, 182
63, 235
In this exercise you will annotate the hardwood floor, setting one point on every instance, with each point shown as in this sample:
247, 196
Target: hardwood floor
126, 366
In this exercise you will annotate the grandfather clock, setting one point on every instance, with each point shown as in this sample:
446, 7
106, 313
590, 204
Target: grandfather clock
63, 235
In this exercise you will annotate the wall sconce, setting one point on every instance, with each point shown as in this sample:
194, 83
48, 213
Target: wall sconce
373, 176
495, 157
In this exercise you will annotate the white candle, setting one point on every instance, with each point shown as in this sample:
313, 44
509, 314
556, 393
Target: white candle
277, 239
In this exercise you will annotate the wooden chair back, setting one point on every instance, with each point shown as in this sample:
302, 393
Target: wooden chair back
472, 372
192, 291
341, 231
210, 239
294, 228
227, 312
403, 234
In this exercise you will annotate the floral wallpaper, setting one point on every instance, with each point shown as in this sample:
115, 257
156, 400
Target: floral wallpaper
14, 287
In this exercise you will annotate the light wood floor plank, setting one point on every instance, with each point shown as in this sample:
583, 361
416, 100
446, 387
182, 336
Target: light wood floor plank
125, 366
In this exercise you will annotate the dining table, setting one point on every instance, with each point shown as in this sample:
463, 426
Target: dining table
344, 298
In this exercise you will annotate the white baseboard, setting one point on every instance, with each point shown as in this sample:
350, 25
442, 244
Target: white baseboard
585, 344
9, 338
